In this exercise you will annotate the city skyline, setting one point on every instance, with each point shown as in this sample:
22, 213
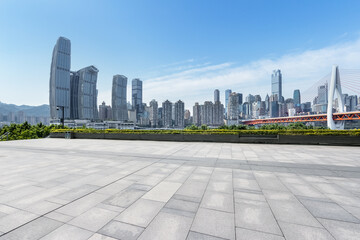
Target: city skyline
244, 66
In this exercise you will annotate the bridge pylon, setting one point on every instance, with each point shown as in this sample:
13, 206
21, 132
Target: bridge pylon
335, 86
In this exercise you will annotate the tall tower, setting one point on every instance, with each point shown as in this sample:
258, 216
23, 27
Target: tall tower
118, 98
179, 113
297, 98
216, 95
227, 94
153, 113
276, 84
59, 91
137, 97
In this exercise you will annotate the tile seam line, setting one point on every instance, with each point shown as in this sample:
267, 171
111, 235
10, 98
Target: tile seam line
317, 220
43, 215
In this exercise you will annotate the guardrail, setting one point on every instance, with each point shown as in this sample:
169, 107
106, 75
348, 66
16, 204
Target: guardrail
5, 135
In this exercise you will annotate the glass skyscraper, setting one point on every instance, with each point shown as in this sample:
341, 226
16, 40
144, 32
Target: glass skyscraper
59, 95
227, 94
276, 84
216, 95
84, 93
137, 97
297, 99
118, 98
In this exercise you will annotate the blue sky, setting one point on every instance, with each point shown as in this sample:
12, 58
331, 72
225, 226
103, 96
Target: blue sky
180, 49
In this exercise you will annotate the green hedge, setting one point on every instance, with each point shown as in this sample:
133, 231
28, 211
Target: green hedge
221, 131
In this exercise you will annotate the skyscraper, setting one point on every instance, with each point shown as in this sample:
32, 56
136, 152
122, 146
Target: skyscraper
233, 107
59, 95
153, 113
105, 112
276, 84
227, 94
216, 95
297, 99
137, 97
118, 98
197, 114
218, 114
206, 112
84, 93
179, 114
167, 112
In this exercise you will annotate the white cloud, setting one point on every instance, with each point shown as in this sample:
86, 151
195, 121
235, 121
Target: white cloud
197, 83
300, 70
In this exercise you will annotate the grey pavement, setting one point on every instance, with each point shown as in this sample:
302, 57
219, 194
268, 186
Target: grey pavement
109, 189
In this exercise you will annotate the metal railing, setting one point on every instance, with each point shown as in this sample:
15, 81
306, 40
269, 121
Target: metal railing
5, 135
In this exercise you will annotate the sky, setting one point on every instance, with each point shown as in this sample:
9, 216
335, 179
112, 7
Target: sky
180, 49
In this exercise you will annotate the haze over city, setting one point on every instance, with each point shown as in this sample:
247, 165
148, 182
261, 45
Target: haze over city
183, 50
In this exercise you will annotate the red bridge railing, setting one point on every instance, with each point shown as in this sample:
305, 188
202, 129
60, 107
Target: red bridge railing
305, 118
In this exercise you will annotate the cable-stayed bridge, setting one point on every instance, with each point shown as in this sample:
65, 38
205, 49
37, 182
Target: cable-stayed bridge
330, 97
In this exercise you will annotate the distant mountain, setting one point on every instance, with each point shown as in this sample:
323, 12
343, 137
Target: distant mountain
36, 111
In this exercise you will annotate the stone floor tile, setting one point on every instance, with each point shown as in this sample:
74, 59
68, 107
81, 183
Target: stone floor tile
141, 213
300, 232
167, 226
328, 210
162, 192
68, 232
255, 196
98, 236
182, 205
200, 236
342, 230
215, 223
125, 198
59, 216
119, 230
246, 234
82, 205
292, 212
93, 219
15, 220
218, 201
33, 230
252, 215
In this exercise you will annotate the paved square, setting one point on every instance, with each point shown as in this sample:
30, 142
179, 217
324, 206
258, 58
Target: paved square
104, 189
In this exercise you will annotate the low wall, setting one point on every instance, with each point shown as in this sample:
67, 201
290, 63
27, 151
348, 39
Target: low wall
273, 139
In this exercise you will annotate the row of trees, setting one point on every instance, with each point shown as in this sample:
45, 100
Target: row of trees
25, 131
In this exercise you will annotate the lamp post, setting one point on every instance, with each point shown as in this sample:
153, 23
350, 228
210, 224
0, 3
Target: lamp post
62, 114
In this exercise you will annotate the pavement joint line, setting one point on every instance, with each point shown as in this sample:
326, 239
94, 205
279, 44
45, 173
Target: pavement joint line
202, 197
306, 210
43, 215
169, 200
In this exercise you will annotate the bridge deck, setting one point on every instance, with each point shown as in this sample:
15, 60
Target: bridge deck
305, 118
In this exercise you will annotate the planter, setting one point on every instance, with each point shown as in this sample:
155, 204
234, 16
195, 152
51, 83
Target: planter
230, 138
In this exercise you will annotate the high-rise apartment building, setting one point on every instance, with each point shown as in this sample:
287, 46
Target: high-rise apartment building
105, 112
179, 114
137, 97
59, 94
118, 98
233, 107
216, 95
197, 114
84, 93
218, 114
207, 113
167, 112
227, 94
153, 113
276, 84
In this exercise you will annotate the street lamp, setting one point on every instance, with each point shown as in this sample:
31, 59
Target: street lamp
62, 110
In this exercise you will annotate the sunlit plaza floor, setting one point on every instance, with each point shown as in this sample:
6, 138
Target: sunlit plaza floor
108, 189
